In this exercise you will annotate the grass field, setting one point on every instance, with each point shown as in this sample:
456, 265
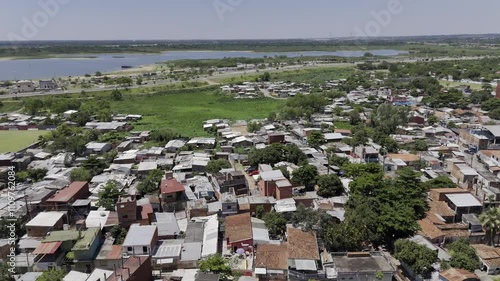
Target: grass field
186, 112
453, 84
12, 141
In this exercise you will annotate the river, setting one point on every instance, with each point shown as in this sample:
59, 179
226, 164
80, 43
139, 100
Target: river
77, 65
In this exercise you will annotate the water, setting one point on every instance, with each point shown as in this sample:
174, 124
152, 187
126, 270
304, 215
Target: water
79, 65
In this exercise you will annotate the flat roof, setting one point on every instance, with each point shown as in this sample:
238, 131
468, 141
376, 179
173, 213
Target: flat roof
167, 224
464, 200
61, 235
46, 219
139, 235
168, 248
361, 264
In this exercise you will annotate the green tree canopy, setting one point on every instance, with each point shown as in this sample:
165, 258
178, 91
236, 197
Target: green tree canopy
214, 166
80, 174
275, 153
419, 258
275, 223
109, 194
218, 265
440, 182
150, 184
52, 275
329, 186
463, 255
316, 139
305, 175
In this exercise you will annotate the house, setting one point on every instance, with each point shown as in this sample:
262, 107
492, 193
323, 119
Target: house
273, 183
140, 240
126, 207
408, 159
303, 253
135, 268
108, 126
239, 232
360, 266
86, 249
489, 257
462, 204
45, 222
146, 167
207, 277
109, 257
333, 137
250, 204
167, 226
47, 85
457, 274
229, 179
276, 138
172, 193
97, 148
271, 261
24, 86
48, 255
229, 204
63, 198
174, 145
369, 154
167, 254
197, 208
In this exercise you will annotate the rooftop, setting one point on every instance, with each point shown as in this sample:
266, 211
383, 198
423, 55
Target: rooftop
362, 264
66, 194
239, 227
272, 256
171, 186
139, 235
302, 245
46, 219
129, 267
88, 237
464, 200
61, 235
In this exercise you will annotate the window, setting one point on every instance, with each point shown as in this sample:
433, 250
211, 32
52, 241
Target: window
229, 207
122, 206
145, 249
129, 249
124, 216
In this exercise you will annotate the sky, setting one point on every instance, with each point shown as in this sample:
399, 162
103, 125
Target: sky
242, 19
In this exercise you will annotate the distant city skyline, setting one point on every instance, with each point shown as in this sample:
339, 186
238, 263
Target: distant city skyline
243, 19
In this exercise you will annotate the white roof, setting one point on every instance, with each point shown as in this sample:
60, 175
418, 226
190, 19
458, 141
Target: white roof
285, 205
98, 274
168, 248
46, 219
272, 175
210, 237
305, 265
167, 224
334, 136
97, 219
495, 130
75, 276
139, 235
464, 200
147, 166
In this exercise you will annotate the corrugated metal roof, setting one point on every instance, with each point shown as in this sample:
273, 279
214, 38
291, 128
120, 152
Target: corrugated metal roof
47, 248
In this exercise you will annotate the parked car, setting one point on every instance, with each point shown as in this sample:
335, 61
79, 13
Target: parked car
253, 173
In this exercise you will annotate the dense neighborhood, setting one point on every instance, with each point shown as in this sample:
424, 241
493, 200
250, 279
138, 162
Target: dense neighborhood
321, 190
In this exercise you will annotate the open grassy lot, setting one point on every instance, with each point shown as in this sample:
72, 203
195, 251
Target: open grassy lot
453, 84
12, 141
185, 112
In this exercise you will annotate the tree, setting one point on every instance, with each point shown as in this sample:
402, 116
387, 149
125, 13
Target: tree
316, 139
275, 153
163, 135
214, 166
259, 212
440, 182
463, 255
218, 265
420, 145
253, 127
116, 95
80, 174
150, 184
108, 195
354, 118
305, 175
419, 258
6, 273
490, 219
432, 119
266, 77
275, 223
52, 275
118, 233
329, 186
360, 136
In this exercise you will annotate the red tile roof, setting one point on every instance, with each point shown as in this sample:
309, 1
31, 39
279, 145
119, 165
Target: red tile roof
171, 186
66, 194
47, 248
239, 228
146, 210
302, 245
129, 268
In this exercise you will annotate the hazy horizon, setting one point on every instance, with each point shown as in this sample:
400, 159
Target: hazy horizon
176, 20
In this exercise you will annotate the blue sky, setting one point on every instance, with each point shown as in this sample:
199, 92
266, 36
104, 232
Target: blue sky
241, 19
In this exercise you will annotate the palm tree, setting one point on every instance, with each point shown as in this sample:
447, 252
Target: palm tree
491, 222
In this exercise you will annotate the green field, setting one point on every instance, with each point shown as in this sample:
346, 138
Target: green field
185, 112
453, 84
12, 141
